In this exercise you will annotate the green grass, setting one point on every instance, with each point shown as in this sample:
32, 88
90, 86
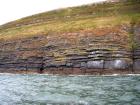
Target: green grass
74, 19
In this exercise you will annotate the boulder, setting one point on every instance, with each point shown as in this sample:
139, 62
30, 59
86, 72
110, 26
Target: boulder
117, 64
95, 64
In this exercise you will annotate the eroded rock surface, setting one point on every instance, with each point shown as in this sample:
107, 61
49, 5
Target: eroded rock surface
74, 52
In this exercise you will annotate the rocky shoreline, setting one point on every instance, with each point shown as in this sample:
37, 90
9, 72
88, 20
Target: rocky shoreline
100, 51
72, 71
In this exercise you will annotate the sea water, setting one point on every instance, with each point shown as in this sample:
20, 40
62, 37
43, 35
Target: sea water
35, 89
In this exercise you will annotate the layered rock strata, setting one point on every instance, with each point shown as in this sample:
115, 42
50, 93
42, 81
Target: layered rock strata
101, 51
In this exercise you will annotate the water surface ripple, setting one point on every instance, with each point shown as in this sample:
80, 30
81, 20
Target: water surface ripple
19, 89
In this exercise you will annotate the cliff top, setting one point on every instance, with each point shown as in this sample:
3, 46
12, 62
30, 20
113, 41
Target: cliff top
73, 19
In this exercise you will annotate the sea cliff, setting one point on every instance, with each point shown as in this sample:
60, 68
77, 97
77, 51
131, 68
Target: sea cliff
101, 47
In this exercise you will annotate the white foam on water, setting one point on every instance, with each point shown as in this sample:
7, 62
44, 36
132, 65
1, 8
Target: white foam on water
8, 74
72, 74
110, 75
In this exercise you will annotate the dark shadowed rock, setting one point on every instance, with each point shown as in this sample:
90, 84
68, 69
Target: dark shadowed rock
137, 65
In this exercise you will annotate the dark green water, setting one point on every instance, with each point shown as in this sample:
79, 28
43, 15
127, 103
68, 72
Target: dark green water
69, 90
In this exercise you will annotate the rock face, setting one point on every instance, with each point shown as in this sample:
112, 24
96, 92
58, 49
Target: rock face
88, 52
137, 50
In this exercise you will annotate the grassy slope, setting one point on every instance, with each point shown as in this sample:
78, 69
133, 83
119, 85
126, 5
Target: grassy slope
86, 17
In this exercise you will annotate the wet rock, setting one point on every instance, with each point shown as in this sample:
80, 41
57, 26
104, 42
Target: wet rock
136, 64
117, 64
95, 64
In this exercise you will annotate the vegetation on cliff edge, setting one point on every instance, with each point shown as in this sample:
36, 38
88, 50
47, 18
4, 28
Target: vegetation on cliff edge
73, 19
